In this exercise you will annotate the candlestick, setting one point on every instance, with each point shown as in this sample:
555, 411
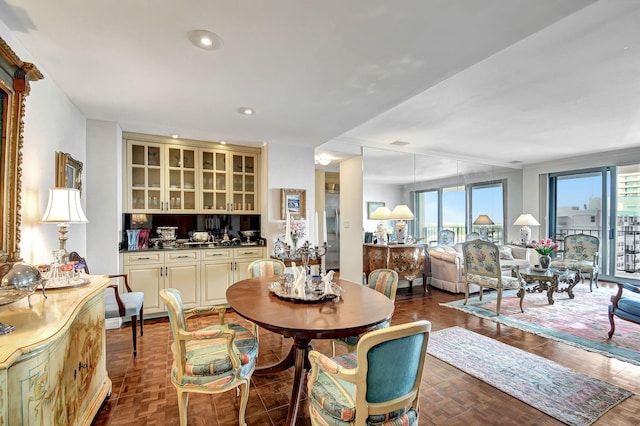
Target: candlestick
315, 230
324, 229
287, 229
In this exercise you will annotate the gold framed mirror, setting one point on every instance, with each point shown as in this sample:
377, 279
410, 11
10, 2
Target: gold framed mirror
68, 172
15, 76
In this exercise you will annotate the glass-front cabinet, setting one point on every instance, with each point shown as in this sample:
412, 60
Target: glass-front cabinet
167, 177
228, 181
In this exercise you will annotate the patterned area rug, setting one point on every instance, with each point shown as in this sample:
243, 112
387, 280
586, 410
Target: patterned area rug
582, 321
571, 397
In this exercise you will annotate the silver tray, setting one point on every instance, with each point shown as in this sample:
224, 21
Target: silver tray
50, 285
310, 296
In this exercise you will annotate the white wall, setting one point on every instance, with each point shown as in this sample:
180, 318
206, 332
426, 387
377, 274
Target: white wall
391, 195
104, 201
288, 167
51, 123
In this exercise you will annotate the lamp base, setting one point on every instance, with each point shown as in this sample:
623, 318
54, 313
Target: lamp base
401, 231
525, 235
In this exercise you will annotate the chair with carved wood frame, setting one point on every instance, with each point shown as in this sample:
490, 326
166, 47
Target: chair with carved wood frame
580, 253
482, 268
378, 384
117, 305
211, 360
383, 281
627, 308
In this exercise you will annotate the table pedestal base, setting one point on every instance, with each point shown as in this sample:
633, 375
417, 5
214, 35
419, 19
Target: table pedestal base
297, 358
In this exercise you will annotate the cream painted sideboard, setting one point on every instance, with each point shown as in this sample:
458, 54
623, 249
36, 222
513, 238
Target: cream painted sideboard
53, 367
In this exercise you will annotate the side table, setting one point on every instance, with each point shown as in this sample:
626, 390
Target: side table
549, 280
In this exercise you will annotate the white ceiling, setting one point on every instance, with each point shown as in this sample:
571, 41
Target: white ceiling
492, 81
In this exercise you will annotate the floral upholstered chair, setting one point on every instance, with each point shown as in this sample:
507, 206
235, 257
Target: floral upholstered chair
212, 360
581, 253
377, 385
383, 281
627, 308
482, 268
266, 267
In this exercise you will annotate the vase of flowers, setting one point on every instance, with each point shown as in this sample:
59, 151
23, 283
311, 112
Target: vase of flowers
544, 249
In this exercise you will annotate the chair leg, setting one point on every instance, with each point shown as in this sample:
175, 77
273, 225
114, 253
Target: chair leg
613, 326
244, 398
466, 293
141, 320
333, 348
498, 300
183, 401
134, 320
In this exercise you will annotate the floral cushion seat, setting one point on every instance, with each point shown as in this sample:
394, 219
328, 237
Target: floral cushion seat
332, 400
485, 281
207, 362
581, 253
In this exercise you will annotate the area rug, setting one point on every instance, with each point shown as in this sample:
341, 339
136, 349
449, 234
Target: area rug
571, 397
582, 321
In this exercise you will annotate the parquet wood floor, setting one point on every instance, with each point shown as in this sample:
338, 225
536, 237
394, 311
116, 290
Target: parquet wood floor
143, 394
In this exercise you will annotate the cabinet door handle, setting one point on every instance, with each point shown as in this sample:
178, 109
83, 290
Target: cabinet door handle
248, 252
143, 258
161, 271
166, 271
182, 257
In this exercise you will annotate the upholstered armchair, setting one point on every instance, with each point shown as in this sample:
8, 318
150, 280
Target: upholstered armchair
581, 252
383, 281
378, 384
482, 268
627, 308
211, 360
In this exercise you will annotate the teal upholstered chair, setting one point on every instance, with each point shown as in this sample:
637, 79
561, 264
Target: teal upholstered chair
581, 252
117, 304
383, 281
627, 308
482, 268
266, 267
211, 360
379, 384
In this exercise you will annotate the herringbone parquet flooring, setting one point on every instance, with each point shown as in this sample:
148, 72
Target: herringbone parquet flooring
143, 394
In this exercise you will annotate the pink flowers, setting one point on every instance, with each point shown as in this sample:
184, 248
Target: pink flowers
545, 247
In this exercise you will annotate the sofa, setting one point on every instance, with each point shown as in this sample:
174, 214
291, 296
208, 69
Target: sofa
447, 265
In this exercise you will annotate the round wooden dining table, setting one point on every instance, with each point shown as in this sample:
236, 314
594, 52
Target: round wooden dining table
358, 310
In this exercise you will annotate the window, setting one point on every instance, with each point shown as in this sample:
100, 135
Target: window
488, 199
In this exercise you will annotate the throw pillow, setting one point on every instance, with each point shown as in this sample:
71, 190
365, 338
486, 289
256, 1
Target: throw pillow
505, 253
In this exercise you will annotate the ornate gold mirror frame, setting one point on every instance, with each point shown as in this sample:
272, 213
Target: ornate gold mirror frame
15, 76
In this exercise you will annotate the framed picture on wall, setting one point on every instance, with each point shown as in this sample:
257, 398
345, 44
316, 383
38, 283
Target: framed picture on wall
372, 206
68, 172
293, 200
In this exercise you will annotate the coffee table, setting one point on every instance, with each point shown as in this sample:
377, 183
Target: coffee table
549, 280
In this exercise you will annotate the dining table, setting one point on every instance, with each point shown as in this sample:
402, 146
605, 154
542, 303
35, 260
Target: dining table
357, 310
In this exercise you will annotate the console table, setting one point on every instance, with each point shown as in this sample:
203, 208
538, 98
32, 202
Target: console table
53, 366
408, 260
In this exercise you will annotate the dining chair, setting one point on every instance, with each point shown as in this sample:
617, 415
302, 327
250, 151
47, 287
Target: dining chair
116, 304
581, 253
378, 384
266, 267
627, 308
482, 268
383, 281
211, 360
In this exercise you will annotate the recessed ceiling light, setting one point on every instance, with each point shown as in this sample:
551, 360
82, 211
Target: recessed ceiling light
206, 39
175, 136
223, 142
400, 143
246, 111
323, 160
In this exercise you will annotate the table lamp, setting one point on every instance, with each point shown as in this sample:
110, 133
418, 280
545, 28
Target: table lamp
63, 208
401, 213
381, 213
483, 220
525, 220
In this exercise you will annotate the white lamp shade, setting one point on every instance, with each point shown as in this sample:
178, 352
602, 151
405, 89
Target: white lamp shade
401, 212
526, 219
483, 219
64, 206
381, 213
